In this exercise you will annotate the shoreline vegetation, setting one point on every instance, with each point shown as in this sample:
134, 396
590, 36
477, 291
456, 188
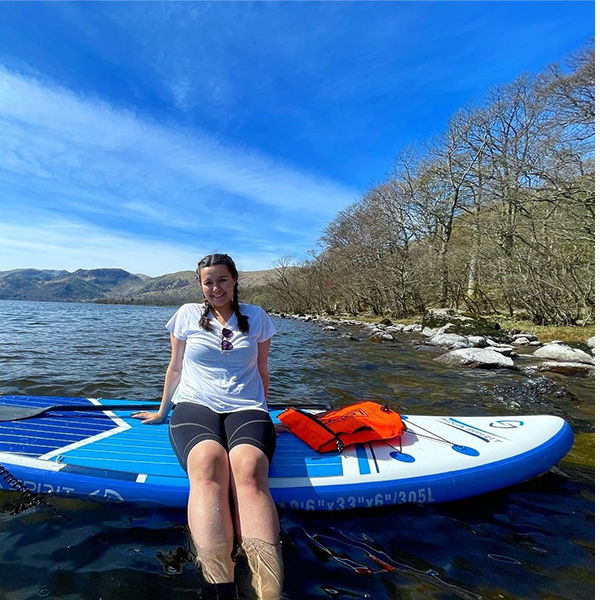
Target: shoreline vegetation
494, 215
571, 334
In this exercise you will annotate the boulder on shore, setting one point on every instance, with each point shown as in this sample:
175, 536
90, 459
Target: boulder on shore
450, 340
455, 321
505, 350
562, 353
428, 331
476, 358
530, 337
477, 341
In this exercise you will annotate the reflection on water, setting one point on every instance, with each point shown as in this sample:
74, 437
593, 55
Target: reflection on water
532, 541
377, 560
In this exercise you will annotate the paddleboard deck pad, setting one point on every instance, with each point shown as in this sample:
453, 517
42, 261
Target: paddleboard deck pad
110, 456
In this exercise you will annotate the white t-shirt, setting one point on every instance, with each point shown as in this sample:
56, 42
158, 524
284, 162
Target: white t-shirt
225, 381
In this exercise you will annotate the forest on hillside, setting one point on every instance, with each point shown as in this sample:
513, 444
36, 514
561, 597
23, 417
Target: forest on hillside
493, 215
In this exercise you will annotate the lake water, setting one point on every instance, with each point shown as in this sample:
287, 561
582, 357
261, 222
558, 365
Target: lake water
532, 541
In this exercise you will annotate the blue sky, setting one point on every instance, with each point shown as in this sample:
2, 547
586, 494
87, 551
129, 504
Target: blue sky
144, 135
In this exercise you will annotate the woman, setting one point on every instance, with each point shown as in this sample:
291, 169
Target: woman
220, 429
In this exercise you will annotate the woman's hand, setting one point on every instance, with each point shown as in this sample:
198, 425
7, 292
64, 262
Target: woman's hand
148, 418
281, 427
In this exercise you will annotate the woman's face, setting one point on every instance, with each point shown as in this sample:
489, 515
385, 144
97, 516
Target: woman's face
217, 285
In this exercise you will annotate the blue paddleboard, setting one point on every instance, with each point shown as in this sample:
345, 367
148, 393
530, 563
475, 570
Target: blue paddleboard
107, 455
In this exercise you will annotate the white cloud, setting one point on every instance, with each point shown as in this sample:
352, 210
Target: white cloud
86, 142
120, 182
70, 245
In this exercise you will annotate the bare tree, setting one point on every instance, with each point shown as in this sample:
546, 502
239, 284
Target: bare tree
495, 213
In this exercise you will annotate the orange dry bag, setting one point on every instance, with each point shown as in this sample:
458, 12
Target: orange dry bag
355, 424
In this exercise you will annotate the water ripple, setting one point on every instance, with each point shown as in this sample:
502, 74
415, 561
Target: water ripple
540, 530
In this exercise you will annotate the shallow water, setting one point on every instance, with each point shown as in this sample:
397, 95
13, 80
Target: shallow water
531, 541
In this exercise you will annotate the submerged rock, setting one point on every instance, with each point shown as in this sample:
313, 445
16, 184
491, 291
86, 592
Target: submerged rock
535, 395
567, 368
381, 336
371, 329
349, 336
476, 358
394, 329
583, 451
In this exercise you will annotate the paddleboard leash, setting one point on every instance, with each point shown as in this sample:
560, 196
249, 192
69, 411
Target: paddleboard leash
33, 500
28, 496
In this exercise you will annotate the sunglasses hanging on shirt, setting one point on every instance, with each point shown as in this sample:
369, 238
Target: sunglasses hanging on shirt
226, 345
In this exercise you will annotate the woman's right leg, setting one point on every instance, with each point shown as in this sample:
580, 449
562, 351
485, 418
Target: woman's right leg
209, 517
209, 512
197, 439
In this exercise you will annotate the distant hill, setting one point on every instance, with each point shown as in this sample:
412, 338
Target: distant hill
111, 286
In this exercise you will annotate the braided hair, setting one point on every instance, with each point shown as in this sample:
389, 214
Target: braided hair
222, 259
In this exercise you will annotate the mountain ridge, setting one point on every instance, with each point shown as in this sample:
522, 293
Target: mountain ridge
110, 285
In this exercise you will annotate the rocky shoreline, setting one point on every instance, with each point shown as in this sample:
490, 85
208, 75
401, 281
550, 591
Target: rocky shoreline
466, 341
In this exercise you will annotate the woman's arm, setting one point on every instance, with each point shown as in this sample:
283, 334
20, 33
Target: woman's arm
263, 363
172, 379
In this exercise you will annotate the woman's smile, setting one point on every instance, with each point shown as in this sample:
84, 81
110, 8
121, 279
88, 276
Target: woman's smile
217, 284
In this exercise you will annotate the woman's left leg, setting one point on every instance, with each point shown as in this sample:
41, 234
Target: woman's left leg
256, 519
255, 510
251, 441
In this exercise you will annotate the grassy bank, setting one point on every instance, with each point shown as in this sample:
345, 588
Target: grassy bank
574, 334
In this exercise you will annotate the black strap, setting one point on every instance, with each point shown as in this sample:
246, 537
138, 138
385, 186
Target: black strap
338, 441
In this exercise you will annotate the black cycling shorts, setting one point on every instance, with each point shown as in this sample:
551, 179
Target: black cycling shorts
192, 423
